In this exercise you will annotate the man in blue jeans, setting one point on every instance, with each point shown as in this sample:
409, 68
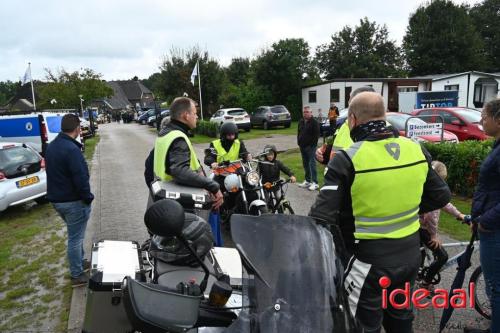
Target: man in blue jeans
307, 139
68, 189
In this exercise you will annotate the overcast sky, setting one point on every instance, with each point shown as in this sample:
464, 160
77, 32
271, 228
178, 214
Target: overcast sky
123, 38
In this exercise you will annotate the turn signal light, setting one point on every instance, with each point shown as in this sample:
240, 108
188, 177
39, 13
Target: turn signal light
220, 293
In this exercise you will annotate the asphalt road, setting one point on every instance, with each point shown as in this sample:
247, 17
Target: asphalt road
121, 195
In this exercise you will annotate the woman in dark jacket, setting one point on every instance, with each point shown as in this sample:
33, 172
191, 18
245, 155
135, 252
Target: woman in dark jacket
486, 210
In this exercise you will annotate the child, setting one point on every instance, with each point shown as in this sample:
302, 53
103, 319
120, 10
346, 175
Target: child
428, 231
270, 172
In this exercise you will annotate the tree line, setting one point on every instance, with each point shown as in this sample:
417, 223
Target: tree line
441, 37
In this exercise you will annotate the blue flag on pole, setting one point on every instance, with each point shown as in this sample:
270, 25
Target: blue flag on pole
214, 221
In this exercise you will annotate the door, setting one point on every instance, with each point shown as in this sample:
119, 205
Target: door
454, 124
347, 96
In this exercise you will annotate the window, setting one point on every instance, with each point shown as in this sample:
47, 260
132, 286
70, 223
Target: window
334, 95
451, 87
312, 96
407, 89
347, 93
448, 117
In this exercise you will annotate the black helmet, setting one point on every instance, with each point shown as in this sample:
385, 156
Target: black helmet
270, 148
228, 128
171, 250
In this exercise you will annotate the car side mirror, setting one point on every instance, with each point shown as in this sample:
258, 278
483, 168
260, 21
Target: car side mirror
456, 122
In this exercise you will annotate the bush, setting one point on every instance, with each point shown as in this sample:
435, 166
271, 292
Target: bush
207, 128
463, 161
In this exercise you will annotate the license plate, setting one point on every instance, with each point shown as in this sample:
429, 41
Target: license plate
283, 116
27, 182
238, 118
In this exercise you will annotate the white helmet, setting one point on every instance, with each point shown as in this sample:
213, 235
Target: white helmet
232, 183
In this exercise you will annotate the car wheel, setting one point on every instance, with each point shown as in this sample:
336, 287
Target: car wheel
143, 122
288, 125
265, 125
42, 200
247, 129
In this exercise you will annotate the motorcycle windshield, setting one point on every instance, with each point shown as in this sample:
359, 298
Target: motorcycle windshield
297, 278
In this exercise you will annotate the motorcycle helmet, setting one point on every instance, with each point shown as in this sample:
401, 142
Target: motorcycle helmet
270, 149
171, 250
232, 183
228, 128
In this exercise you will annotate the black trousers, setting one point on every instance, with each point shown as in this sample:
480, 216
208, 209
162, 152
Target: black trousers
364, 292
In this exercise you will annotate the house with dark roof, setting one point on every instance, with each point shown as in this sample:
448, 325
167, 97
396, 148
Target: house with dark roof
135, 92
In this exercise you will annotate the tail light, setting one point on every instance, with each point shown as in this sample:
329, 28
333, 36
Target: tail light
247, 116
228, 117
42, 163
2, 176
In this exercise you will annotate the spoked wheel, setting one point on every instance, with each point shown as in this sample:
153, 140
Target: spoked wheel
481, 298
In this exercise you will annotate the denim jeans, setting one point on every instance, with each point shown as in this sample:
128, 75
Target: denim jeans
309, 163
489, 247
75, 214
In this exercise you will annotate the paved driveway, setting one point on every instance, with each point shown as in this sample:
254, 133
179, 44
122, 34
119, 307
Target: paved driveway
121, 194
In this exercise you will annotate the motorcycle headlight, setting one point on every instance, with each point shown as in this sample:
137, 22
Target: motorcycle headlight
253, 178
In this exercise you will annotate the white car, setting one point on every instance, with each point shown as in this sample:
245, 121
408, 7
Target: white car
237, 115
22, 175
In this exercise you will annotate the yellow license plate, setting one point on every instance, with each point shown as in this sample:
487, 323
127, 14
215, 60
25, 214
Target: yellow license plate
27, 182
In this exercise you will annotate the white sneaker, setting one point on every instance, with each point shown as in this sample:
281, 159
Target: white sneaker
305, 183
313, 187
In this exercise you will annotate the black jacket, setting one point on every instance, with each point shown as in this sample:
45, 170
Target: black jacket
486, 201
212, 157
335, 206
177, 163
308, 133
67, 171
271, 172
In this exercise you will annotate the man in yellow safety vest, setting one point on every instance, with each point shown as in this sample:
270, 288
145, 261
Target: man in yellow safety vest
374, 192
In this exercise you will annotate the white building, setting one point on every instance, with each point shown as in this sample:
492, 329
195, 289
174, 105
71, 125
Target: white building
400, 93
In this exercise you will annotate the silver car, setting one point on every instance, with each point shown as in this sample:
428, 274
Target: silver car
22, 175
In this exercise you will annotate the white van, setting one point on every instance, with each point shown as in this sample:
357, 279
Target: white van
34, 129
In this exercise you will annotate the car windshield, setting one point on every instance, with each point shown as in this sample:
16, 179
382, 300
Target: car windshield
239, 112
469, 115
399, 121
279, 109
13, 158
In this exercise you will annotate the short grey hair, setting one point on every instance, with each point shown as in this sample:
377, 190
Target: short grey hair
179, 106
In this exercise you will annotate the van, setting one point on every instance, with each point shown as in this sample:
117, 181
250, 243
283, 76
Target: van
33, 129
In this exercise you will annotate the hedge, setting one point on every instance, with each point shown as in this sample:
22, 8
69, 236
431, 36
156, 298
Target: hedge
463, 161
207, 128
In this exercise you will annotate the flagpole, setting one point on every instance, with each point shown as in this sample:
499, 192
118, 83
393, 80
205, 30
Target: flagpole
32, 89
199, 88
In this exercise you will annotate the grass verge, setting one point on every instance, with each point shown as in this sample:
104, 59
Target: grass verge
35, 290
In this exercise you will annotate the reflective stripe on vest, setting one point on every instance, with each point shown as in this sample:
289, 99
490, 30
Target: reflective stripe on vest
162, 145
387, 187
223, 155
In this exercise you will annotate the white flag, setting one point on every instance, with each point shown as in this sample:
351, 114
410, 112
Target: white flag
194, 73
27, 76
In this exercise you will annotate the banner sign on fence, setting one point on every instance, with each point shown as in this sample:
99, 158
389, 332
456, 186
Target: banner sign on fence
415, 130
435, 99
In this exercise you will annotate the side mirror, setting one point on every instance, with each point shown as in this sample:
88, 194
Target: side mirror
165, 218
456, 123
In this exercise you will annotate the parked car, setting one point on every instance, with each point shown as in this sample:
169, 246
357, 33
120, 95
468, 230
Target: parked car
237, 115
22, 175
152, 119
270, 116
464, 122
398, 121
85, 126
143, 118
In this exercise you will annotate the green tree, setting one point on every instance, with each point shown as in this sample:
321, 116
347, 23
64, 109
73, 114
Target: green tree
176, 69
441, 38
237, 72
154, 83
362, 51
282, 70
8, 90
486, 16
65, 87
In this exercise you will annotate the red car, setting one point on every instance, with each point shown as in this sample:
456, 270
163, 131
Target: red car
398, 121
463, 122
